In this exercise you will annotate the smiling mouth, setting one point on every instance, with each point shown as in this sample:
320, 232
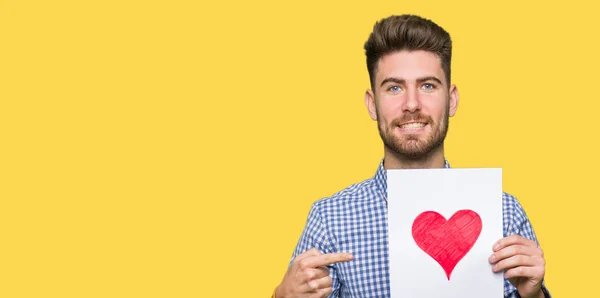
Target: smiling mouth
413, 126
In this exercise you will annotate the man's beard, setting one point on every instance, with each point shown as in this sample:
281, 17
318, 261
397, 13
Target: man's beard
410, 146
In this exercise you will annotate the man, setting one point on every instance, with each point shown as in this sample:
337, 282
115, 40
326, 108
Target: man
411, 98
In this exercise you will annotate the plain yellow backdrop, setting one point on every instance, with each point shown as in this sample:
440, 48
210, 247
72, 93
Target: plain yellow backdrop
173, 148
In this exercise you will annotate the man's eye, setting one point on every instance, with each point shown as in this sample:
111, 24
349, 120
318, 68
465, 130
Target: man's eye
428, 86
394, 88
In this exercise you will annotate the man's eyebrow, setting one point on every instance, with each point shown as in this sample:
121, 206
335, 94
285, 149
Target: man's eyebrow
431, 78
393, 80
401, 81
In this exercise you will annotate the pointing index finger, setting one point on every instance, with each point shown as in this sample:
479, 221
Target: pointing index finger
327, 259
308, 253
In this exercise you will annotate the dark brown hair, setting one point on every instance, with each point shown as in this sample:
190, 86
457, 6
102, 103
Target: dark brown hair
407, 32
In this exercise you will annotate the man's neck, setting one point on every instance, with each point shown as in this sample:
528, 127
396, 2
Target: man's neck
435, 159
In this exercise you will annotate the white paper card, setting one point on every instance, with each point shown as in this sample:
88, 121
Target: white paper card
429, 248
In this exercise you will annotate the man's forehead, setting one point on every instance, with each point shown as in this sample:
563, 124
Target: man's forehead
409, 65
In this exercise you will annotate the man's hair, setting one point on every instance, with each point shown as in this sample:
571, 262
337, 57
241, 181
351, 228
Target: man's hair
407, 32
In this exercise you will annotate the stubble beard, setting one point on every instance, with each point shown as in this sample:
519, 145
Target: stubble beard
412, 147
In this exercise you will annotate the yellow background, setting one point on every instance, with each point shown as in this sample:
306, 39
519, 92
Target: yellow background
173, 148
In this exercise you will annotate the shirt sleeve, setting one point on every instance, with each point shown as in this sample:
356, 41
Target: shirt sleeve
315, 235
517, 223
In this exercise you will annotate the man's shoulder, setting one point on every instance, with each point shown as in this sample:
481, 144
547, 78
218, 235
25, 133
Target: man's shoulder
512, 209
365, 190
509, 201
507, 197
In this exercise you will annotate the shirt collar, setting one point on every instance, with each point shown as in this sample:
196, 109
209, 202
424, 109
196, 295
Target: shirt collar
381, 177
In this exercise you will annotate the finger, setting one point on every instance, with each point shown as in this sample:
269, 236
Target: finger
324, 292
512, 240
531, 272
308, 274
313, 286
321, 272
309, 253
516, 261
515, 250
324, 260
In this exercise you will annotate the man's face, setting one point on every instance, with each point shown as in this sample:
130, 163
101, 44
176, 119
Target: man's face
411, 102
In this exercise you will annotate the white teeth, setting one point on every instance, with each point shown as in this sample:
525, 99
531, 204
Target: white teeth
414, 125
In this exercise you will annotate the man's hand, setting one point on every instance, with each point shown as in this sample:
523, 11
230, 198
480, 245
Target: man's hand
522, 262
308, 275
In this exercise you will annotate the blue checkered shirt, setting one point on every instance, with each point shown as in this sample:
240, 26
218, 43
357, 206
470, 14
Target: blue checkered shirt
355, 220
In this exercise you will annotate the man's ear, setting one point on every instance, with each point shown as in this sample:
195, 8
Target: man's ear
370, 103
453, 100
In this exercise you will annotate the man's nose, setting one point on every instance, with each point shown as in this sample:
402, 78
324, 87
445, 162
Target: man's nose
412, 102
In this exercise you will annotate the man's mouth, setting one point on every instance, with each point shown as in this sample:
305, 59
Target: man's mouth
413, 125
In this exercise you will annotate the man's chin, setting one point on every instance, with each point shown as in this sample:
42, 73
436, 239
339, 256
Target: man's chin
409, 152
414, 155
412, 149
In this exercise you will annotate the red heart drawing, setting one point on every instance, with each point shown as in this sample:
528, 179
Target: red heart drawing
449, 241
